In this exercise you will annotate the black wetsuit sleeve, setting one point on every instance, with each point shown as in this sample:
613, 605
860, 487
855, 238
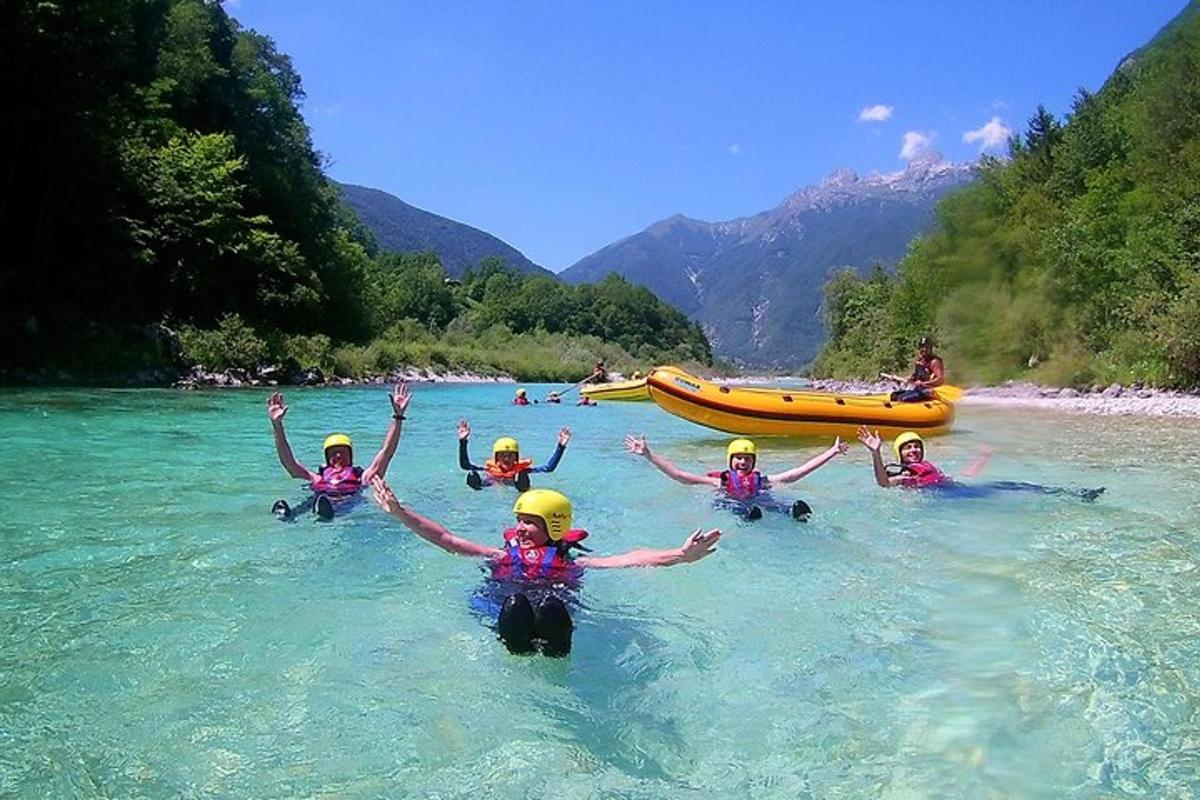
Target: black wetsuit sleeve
464, 461
552, 464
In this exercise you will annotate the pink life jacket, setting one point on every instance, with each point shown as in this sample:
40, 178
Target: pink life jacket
338, 480
551, 561
920, 474
741, 486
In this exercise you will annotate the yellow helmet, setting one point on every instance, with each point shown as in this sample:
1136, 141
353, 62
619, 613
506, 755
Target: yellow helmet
740, 447
905, 438
337, 440
520, 392
506, 444
553, 508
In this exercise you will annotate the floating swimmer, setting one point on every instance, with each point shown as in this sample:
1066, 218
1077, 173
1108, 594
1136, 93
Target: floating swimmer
913, 472
745, 491
537, 566
506, 465
519, 399
339, 479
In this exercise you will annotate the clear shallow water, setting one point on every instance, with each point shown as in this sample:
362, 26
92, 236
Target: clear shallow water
161, 635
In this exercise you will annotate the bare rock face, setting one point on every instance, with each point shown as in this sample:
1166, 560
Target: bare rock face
1068, 392
1114, 390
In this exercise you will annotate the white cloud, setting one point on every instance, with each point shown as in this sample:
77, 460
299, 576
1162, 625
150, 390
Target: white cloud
877, 113
915, 143
993, 134
735, 149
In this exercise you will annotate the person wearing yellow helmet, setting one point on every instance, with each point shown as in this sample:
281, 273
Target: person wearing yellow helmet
744, 490
338, 478
520, 398
534, 571
505, 467
913, 471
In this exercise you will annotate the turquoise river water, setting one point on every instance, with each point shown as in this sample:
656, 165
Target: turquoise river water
161, 635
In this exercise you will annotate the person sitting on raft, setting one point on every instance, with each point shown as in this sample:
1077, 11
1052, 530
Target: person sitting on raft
520, 399
928, 372
599, 373
740, 481
506, 465
912, 471
339, 478
535, 564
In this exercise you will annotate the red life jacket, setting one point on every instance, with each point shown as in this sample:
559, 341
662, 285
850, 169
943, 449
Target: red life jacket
741, 486
921, 473
552, 561
338, 480
520, 401
500, 472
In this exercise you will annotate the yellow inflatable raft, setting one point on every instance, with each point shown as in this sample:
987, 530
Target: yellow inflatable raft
782, 412
621, 390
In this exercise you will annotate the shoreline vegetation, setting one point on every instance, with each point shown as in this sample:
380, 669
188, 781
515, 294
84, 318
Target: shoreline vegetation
1112, 400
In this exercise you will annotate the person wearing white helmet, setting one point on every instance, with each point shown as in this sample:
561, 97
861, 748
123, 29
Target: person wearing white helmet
745, 490
534, 571
339, 478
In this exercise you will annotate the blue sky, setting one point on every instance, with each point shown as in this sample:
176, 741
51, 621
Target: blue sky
561, 127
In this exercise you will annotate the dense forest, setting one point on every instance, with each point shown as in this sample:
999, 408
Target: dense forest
163, 203
1075, 260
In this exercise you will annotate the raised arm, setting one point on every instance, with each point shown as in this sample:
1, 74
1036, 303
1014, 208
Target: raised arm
638, 446
464, 434
839, 447
873, 442
695, 547
275, 412
426, 528
981, 459
564, 436
379, 465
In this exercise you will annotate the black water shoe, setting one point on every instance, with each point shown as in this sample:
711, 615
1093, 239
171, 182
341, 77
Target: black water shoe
552, 626
516, 624
323, 508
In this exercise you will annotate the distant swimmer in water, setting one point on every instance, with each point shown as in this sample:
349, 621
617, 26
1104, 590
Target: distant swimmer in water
520, 399
505, 467
534, 573
339, 479
744, 490
912, 471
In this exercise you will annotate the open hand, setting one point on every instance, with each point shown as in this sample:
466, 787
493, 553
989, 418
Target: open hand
637, 445
384, 495
564, 436
464, 430
871, 440
699, 544
275, 408
400, 397
840, 447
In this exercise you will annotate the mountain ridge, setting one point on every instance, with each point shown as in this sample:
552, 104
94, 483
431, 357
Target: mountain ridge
754, 282
401, 227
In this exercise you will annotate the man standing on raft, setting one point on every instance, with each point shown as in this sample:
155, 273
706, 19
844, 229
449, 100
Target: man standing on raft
339, 478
